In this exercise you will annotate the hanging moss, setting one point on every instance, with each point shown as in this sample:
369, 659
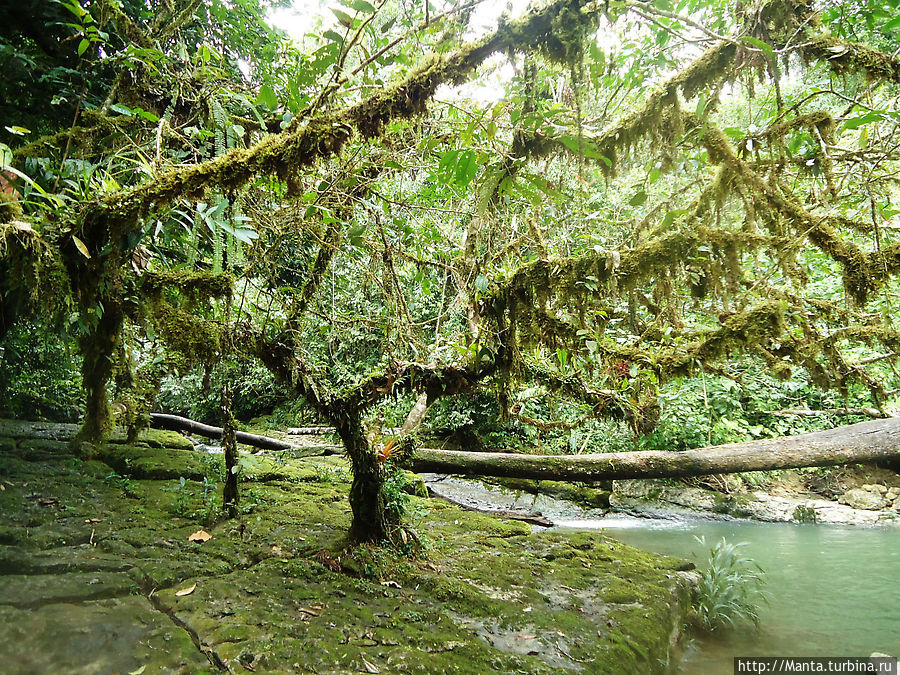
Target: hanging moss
569, 30
858, 276
32, 267
819, 120
713, 67
197, 339
852, 57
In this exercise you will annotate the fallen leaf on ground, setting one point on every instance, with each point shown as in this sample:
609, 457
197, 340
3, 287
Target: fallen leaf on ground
370, 667
91, 521
200, 535
139, 670
186, 591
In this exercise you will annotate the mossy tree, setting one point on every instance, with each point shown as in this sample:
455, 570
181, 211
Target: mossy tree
653, 196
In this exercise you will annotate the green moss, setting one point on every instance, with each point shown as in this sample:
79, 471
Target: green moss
147, 462
195, 284
271, 584
804, 514
852, 57
196, 339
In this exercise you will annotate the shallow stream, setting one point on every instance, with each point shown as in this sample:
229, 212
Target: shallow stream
833, 590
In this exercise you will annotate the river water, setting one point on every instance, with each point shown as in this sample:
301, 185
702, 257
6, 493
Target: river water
833, 590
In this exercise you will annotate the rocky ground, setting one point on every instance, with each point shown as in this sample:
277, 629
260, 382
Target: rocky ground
118, 564
858, 495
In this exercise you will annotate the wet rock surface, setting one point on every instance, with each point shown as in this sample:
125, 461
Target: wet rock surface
867, 505
98, 575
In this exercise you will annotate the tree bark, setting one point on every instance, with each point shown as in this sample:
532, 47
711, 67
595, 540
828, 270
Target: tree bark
874, 413
875, 441
97, 348
230, 493
372, 521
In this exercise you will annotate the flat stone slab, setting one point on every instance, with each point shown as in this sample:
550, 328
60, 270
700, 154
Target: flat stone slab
119, 635
35, 590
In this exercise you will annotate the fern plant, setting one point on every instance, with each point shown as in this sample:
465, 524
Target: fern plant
731, 588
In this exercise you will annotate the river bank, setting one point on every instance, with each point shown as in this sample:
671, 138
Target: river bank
856, 495
829, 587
116, 563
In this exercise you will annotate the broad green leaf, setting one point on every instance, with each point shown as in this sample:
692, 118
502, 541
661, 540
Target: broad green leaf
147, 115
638, 199
672, 215
857, 122
267, 97
82, 46
756, 42
362, 6
343, 18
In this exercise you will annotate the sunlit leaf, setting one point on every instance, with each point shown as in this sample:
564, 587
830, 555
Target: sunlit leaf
759, 44
200, 536
857, 122
362, 6
186, 591
82, 249
638, 199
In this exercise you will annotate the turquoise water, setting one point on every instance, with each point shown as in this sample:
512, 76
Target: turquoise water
833, 591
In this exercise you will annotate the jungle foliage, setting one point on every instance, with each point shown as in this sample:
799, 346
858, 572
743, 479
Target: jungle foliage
564, 226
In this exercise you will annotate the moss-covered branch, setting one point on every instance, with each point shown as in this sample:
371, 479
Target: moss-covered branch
852, 57
302, 144
863, 273
85, 138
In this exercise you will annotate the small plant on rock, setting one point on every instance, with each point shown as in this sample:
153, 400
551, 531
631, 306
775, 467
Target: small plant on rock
730, 590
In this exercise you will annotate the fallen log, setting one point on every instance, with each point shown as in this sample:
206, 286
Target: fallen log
874, 413
309, 431
178, 423
875, 441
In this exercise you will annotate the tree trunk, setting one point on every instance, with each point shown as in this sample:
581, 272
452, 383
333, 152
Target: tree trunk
416, 415
875, 441
230, 495
372, 522
98, 347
